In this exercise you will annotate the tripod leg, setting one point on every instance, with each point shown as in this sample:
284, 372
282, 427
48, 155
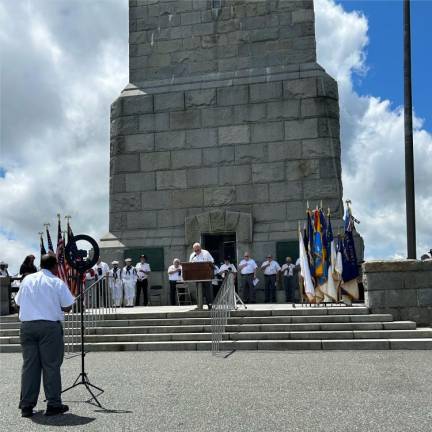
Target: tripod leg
93, 395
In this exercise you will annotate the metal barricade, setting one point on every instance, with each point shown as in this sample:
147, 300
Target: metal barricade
222, 306
98, 303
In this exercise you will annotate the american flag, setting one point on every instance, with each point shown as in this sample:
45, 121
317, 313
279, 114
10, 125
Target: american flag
42, 246
60, 253
50, 245
70, 272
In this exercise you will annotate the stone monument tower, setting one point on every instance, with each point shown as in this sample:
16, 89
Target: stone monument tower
227, 128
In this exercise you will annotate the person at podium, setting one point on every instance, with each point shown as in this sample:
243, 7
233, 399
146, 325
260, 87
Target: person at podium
201, 255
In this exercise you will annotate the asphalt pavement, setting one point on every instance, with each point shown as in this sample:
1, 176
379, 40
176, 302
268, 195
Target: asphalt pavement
246, 391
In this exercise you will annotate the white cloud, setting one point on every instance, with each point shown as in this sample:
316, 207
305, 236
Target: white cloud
372, 136
55, 122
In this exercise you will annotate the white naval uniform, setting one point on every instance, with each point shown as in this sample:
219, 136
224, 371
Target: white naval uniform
116, 285
129, 277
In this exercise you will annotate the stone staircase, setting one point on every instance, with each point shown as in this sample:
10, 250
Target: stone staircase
300, 328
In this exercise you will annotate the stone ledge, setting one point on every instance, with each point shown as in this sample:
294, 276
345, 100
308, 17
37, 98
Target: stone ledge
396, 266
225, 79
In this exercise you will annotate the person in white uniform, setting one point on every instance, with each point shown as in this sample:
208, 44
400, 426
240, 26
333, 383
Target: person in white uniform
143, 271
116, 283
270, 268
101, 269
247, 268
129, 277
201, 255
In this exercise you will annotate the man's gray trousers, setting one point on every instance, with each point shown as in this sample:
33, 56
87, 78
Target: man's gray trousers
42, 349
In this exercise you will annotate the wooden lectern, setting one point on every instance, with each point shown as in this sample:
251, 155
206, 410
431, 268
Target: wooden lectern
198, 272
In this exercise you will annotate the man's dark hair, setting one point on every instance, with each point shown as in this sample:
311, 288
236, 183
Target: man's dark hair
48, 261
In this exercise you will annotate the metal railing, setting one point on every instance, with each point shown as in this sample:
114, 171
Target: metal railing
222, 306
98, 302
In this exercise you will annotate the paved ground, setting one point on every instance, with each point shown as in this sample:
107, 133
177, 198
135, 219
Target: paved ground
247, 391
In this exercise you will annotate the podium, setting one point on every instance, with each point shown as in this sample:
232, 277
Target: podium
197, 272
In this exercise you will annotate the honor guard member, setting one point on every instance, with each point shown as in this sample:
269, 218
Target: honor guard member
143, 271
174, 275
288, 272
270, 268
129, 277
116, 283
201, 255
247, 268
42, 298
101, 269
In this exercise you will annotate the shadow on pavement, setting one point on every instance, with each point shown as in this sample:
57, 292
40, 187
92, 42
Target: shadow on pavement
67, 419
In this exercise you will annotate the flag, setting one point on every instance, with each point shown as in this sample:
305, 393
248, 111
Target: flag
42, 246
49, 241
60, 254
349, 261
70, 272
305, 271
330, 289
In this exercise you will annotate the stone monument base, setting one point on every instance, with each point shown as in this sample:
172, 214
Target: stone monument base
402, 288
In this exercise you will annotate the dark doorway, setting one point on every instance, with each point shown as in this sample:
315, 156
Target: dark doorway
220, 246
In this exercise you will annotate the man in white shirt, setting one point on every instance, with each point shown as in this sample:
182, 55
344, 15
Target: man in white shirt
143, 270
174, 275
129, 278
201, 255
226, 267
270, 268
43, 298
288, 271
247, 268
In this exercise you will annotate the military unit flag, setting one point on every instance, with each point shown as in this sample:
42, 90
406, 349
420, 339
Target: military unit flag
328, 264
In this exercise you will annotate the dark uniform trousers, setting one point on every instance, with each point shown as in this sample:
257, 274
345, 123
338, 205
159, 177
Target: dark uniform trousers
289, 285
42, 350
141, 285
270, 288
248, 288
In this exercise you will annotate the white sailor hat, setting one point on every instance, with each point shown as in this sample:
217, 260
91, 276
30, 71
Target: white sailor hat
128, 260
114, 263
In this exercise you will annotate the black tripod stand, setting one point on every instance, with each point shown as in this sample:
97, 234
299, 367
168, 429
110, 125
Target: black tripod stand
82, 378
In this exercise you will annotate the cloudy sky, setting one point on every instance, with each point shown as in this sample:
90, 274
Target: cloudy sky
64, 61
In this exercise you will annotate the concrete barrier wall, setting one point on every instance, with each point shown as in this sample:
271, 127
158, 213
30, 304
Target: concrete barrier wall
402, 288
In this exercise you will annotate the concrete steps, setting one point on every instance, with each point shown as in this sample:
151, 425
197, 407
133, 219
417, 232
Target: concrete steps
316, 328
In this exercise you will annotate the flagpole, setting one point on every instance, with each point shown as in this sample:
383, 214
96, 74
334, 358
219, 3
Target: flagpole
409, 150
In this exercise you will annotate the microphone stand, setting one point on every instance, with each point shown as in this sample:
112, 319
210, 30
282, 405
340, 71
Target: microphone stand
82, 378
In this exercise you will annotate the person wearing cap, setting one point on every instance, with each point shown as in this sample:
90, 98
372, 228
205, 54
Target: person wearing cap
116, 283
248, 268
129, 278
174, 275
288, 271
143, 270
101, 269
3, 269
271, 269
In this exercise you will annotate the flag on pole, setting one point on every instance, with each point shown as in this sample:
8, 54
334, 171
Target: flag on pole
49, 241
60, 254
70, 272
350, 271
331, 288
305, 270
42, 246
